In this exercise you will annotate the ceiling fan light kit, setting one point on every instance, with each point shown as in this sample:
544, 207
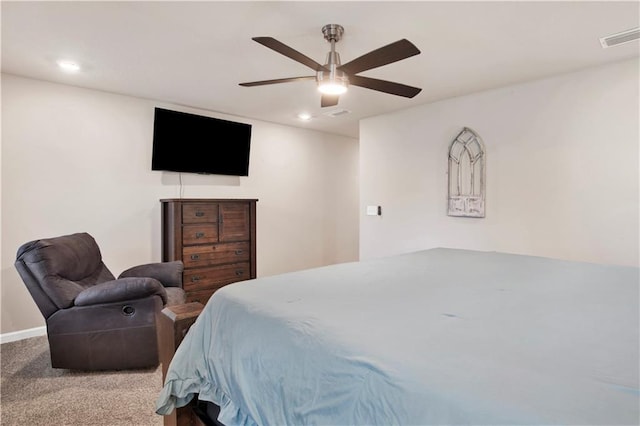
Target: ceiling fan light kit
333, 78
332, 86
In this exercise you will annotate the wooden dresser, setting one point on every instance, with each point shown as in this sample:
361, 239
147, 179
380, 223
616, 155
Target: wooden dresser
215, 238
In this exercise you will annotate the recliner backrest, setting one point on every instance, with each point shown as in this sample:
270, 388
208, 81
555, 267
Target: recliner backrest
56, 270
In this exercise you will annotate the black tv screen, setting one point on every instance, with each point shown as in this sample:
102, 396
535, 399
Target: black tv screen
192, 143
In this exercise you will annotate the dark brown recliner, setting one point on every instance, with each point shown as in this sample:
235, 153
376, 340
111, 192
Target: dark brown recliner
94, 321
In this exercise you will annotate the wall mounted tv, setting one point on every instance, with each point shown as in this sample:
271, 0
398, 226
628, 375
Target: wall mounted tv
192, 143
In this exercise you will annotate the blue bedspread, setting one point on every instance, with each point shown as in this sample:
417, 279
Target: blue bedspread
439, 336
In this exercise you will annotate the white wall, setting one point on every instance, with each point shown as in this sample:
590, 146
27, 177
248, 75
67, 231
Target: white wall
80, 160
562, 170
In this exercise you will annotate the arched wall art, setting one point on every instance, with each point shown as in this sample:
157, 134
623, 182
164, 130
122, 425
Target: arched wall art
466, 175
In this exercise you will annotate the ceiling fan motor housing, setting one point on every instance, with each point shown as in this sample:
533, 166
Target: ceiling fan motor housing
334, 75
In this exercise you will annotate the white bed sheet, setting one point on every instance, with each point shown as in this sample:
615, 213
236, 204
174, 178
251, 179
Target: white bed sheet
439, 336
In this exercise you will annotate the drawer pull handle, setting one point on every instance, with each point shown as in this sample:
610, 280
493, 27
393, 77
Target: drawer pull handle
199, 234
195, 278
195, 256
239, 273
238, 252
199, 214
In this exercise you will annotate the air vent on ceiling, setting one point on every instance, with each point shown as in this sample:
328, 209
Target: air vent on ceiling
620, 38
337, 112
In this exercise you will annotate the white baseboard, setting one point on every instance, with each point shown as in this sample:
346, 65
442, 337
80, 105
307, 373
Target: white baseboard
23, 334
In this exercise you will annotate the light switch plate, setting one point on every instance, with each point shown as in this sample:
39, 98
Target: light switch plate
374, 211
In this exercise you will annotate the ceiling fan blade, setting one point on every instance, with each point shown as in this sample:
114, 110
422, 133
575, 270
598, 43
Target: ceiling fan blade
384, 86
329, 100
388, 54
276, 81
287, 51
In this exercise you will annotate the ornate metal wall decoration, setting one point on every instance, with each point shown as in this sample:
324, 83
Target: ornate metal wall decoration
466, 175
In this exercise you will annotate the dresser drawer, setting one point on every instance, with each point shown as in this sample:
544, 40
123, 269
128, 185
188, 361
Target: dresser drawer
215, 254
201, 296
199, 234
199, 213
206, 278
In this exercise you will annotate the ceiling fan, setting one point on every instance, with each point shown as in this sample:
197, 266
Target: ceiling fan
333, 77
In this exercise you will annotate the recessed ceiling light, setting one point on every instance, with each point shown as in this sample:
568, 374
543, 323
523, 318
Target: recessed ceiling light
68, 66
304, 116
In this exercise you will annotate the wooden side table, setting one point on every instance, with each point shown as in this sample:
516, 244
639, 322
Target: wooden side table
173, 324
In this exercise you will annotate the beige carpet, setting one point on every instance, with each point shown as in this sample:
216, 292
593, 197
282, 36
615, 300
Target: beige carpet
33, 393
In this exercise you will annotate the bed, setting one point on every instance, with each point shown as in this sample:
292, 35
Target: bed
440, 336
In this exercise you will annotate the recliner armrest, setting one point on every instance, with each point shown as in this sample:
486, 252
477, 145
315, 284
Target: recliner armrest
168, 273
120, 290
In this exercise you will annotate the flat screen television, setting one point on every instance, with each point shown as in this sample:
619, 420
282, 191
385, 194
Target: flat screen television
192, 143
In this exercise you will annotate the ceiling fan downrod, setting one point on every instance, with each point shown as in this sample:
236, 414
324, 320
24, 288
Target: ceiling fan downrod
333, 82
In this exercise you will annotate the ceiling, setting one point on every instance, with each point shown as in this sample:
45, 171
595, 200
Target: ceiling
195, 53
